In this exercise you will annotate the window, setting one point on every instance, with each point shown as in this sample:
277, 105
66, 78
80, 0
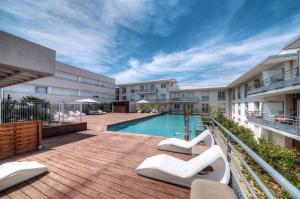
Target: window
66, 76
41, 89
239, 92
132, 90
163, 96
142, 88
257, 83
123, 90
132, 98
163, 85
233, 94
89, 81
205, 108
233, 108
222, 108
152, 87
205, 96
67, 92
221, 95
123, 97
177, 106
246, 90
246, 108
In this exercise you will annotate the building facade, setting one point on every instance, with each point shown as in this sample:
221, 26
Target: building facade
173, 98
267, 98
67, 85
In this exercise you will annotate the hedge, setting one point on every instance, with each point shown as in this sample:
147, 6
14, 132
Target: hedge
280, 158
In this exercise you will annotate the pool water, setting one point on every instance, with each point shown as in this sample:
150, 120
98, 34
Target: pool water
166, 125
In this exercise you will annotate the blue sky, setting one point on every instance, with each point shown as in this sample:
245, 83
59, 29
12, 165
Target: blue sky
207, 42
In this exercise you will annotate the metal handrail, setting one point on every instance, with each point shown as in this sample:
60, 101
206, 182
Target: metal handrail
282, 181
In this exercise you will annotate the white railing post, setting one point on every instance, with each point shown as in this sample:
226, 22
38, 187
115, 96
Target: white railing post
80, 112
59, 113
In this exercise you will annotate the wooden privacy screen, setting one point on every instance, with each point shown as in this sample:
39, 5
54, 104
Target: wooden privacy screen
19, 137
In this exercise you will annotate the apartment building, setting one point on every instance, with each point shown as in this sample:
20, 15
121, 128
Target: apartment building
67, 85
47, 79
152, 91
174, 98
267, 98
200, 99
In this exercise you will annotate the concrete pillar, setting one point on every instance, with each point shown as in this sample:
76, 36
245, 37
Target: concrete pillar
1, 93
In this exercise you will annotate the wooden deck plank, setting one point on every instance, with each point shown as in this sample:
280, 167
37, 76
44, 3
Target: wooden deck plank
107, 180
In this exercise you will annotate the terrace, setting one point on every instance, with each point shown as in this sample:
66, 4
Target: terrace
282, 124
89, 165
101, 164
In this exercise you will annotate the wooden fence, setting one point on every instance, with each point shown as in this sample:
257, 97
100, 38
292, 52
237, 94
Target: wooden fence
19, 137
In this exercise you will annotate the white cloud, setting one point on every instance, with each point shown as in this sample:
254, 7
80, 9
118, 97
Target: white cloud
84, 33
211, 63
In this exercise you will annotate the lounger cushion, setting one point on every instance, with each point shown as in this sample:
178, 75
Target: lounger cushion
13, 173
206, 189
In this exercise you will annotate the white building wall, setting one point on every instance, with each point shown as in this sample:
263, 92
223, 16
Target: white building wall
67, 85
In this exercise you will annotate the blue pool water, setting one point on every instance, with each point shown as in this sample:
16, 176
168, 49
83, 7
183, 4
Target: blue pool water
162, 125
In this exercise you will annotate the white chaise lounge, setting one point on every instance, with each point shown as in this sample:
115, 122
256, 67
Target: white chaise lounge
13, 173
182, 146
169, 169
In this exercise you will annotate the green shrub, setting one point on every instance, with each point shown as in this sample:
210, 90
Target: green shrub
280, 158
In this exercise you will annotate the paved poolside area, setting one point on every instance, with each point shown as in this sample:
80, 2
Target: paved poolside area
95, 164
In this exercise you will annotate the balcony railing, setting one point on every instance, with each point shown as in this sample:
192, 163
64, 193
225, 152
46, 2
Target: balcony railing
239, 167
151, 90
189, 99
156, 100
289, 124
286, 79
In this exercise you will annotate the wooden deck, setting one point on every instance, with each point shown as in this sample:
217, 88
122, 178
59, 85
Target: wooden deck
91, 164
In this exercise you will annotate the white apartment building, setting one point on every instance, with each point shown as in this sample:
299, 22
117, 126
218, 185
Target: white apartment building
200, 99
67, 85
152, 91
267, 98
174, 98
52, 80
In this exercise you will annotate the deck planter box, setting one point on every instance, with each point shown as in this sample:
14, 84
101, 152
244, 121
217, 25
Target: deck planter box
63, 129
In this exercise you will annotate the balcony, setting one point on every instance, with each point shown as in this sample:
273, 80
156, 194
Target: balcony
151, 90
284, 82
154, 100
190, 99
282, 124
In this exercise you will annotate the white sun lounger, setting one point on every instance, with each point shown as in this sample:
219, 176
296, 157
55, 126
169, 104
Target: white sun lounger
182, 146
13, 173
169, 169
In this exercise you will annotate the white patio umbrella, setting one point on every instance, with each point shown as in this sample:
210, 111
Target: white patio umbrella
88, 100
143, 102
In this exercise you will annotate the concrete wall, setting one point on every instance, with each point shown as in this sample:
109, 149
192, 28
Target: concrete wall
26, 55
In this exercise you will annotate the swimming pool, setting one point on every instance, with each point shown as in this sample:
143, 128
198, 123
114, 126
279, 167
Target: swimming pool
166, 125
